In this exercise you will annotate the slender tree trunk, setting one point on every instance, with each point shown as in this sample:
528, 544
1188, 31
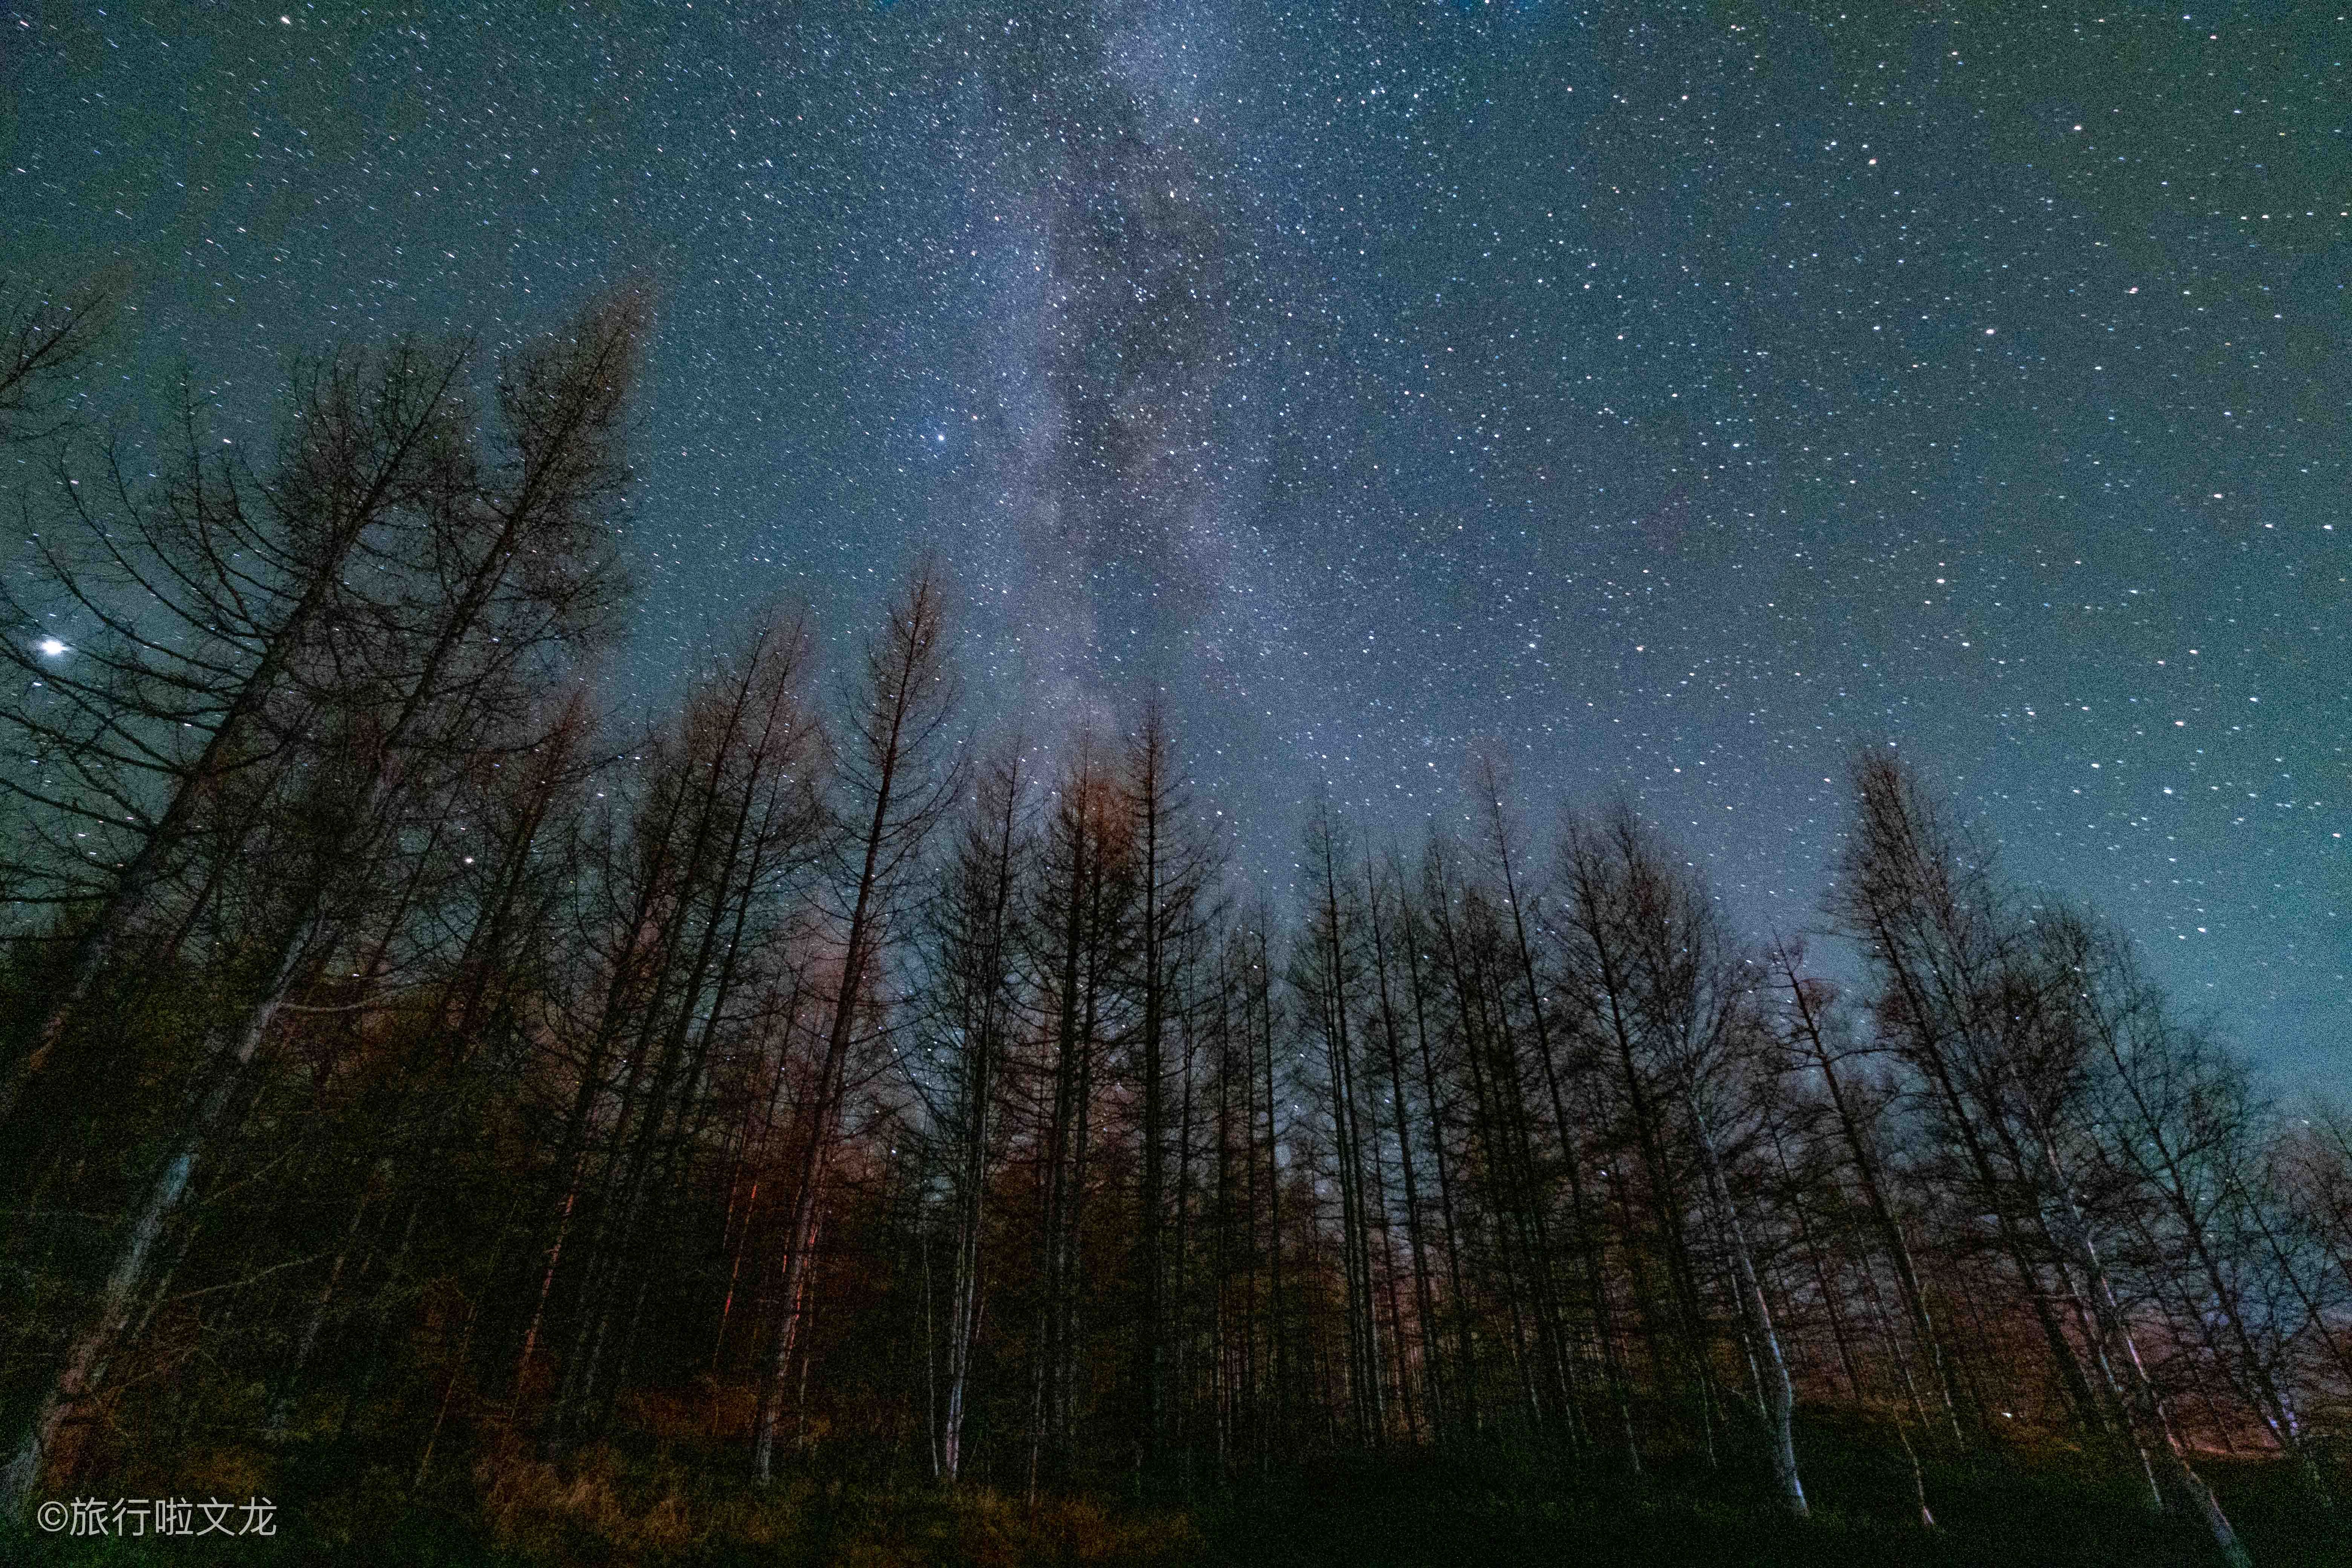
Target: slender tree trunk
281, 1408
1464, 1381
1864, 1157
1277, 1326
85, 1362
1399, 1087
1779, 1398
2145, 1404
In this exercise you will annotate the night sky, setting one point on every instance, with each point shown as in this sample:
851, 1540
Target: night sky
1675, 395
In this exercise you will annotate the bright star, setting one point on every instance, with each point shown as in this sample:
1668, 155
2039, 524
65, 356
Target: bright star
50, 648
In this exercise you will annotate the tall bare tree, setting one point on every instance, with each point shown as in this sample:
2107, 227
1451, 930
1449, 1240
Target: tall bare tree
970, 935
897, 772
502, 573
1688, 1022
1174, 869
203, 615
1963, 991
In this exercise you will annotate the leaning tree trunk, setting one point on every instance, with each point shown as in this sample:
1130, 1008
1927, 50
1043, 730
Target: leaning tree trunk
85, 1363
1779, 1398
139, 885
2142, 1402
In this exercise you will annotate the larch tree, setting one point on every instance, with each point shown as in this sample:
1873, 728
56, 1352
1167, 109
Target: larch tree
1985, 1019
203, 612
897, 772
499, 571
1173, 870
969, 933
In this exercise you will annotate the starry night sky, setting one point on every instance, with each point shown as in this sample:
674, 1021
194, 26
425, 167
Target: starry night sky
1675, 396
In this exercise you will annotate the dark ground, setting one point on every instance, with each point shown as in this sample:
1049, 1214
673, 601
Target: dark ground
1455, 1510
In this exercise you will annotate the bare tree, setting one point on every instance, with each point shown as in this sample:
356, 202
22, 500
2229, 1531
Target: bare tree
1327, 973
1968, 994
970, 936
1174, 869
502, 578
2178, 1121
894, 778
1813, 1030
1604, 946
1687, 1017
206, 612
1082, 930
734, 798
44, 334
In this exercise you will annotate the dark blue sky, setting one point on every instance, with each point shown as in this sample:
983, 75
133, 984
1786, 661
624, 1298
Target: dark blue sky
1676, 396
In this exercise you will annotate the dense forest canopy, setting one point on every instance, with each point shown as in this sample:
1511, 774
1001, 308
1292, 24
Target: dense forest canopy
412, 1055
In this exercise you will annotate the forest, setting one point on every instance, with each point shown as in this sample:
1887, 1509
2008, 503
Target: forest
798, 1124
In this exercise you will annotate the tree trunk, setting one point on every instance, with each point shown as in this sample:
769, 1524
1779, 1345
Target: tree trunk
1779, 1398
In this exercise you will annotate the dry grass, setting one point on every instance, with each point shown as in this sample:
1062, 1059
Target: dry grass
552, 1513
601, 1507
